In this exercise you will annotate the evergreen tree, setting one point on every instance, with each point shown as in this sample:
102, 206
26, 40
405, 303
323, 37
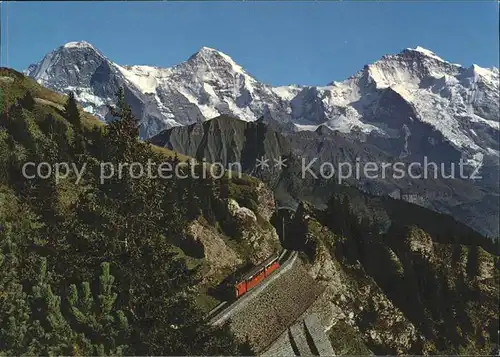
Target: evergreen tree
51, 331
14, 310
27, 101
123, 133
97, 318
71, 112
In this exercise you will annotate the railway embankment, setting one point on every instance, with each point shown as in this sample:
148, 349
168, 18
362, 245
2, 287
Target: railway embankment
306, 337
275, 308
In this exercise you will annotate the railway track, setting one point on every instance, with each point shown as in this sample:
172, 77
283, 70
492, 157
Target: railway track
223, 311
284, 255
285, 259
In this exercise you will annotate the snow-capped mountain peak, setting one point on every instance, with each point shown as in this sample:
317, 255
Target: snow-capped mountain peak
427, 53
208, 60
78, 44
77, 53
207, 52
490, 75
410, 96
409, 68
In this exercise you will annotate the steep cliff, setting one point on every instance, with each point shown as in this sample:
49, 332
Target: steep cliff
406, 291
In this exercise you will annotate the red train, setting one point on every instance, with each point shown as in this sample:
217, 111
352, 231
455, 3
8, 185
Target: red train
255, 276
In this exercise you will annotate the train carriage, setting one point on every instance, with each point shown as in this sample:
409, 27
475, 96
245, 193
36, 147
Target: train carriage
256, 275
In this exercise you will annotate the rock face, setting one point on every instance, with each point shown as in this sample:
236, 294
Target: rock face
219, 257
411, 104
256, 234
240, 236
349, 299
411, 107
405, 292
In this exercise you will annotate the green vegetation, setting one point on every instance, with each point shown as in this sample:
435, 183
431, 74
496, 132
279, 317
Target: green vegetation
440, 274
243, 191
89, 268
346, 341
108, 269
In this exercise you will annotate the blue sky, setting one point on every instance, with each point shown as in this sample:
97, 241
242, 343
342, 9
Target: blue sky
277, 42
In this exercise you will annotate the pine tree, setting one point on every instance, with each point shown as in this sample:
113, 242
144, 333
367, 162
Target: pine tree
98, 318
71, 112
175, 161
123, 133
189, 194
52, 332
27, 101
14, 310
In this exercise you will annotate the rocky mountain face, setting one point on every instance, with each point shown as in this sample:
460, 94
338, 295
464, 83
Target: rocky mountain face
411, 107
409, 104
404, 293
208, 84
228, 140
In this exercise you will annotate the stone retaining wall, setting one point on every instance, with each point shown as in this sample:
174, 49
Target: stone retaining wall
276, 308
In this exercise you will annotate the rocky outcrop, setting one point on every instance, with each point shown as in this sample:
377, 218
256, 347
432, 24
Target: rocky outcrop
353, 298
236, 236
404, 293
255, 233
245, 215
228, 140
218, 256
419, 242
267, 203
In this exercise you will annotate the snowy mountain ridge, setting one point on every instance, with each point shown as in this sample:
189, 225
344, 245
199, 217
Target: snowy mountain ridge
401, 99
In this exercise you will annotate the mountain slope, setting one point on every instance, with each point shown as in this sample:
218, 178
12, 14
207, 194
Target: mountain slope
228, 140
73, 255
404, 291
411, 106
123, 268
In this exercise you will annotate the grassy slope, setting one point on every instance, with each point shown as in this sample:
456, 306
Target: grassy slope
14, 85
